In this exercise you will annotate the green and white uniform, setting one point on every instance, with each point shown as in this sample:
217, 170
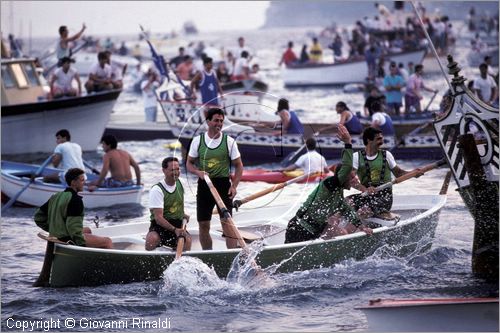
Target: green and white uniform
325, 200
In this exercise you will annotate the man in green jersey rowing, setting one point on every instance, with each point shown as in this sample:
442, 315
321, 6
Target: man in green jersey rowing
374, 167
326, 206
62, 215
215, 152
166, 203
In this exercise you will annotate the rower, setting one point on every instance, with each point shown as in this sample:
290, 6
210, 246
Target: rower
374, 166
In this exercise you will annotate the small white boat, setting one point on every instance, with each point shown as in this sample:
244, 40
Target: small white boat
30, 121
16, 175
432, 315
129, 261
350, 71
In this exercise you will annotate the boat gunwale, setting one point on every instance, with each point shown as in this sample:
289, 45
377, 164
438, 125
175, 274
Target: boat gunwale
435, 208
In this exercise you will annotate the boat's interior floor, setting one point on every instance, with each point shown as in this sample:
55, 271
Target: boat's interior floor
270, 234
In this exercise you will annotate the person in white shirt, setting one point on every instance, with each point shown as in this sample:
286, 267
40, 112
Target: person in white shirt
241, 47
61, 83
148, 88
485, 87
241, 68
67, 155
117, 71
166, 203
310, 162
100, 75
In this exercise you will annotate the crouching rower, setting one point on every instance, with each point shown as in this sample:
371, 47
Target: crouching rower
325, 207
62, 215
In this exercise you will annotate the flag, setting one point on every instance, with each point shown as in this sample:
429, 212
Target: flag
159, 61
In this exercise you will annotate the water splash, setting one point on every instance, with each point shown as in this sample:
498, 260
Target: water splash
189, 275
246, 273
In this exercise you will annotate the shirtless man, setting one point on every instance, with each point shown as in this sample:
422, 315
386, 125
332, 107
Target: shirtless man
118, 162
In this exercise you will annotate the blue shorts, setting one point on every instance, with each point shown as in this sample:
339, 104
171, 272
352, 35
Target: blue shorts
110, 182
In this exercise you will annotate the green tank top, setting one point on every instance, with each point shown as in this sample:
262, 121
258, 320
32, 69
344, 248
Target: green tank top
173, 203
369, 172
215, 161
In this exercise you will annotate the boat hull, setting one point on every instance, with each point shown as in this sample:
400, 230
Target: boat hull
85, 117
79, 266
256, 148
15, 176
433, 315
341, 73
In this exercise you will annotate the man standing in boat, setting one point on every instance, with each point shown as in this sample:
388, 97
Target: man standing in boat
166, 203
374, 167
414, 88
325, 207
215, 152
63, 46
118, 163
207, 83
62, 215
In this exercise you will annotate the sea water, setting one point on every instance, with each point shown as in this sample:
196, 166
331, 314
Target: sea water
191, 297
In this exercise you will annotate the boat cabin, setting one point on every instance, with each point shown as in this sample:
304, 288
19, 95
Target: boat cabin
21, 83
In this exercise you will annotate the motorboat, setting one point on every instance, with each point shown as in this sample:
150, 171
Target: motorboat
26, 109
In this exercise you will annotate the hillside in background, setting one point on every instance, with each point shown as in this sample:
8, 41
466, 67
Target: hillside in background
323, 13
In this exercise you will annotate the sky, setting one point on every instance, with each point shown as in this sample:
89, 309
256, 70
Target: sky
124, 17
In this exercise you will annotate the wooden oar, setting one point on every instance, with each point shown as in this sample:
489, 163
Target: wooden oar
225, 212
413, 132
32, 179
94, 170
430, 102
409, 175
446, 183
238, 203
180, 242
44, 277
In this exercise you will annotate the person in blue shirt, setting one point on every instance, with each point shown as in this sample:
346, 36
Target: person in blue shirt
393, 83
290, 123
348, 118
207, 83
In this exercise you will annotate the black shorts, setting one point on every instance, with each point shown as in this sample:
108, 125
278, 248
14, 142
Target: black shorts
296, 233
205, 201
167, 237
380, 202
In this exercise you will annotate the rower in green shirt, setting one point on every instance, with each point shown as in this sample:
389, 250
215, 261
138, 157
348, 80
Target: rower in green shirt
62, 215
326, 206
